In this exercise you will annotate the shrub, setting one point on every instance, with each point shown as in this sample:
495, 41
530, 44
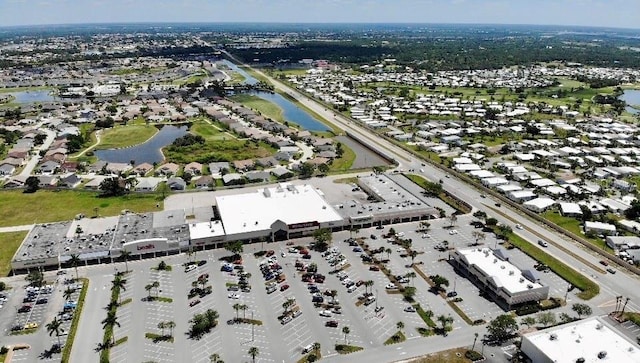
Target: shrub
3, 286
473, 355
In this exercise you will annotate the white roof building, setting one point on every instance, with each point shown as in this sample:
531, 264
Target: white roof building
521, 195
500, 277
588, 340
542, 182
570, 209
292, 207
508, 188
492, 182
599, 227
539, 204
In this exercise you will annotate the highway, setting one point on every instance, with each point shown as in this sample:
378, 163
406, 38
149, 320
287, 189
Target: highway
610, 285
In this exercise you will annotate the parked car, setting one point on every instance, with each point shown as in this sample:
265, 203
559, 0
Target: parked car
24, 309
410, 309
286, 320
325, 313
611, 270
234, 296
374, 268
194, 302
284, 287
331, 323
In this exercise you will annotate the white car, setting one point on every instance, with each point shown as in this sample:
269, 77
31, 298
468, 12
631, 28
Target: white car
352, 288
283, 254
286, 319
234, 296
518, 226
410, 309
453, 231
426, 235
325, 313
391, 286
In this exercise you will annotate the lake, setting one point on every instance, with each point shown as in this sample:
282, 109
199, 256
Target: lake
632, 98
290, 111
33, 96
148, 152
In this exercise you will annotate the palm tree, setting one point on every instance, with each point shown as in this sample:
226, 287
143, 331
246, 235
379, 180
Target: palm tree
287, 304
244, 308
125, 255
211, 316
68, 293
413, 255
316, 348
54, 327
148, 287
111, 320
156, 285
170, 325
400, 325
453, 218
412, 275
333, 294
236, 307
253, 352
74, 259
345, 331
367, 284
388, 251
118, 283
478, 236
162, 325
215, 358
445, 321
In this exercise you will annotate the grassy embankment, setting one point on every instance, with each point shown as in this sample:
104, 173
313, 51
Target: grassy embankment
125, 136
64, 205
9, 243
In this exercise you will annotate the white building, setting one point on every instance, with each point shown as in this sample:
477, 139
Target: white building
539, 204
588, 340
499, 278
599, 228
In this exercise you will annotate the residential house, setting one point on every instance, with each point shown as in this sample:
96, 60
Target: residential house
232, 179
205, 182
218, 167
70, 180
193, 168
47, 181
143, 169
176, 183
7, 169
244, 165
168, 169
257, 176
49, 167
267, 162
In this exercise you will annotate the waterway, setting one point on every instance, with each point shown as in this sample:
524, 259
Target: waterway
33, 96
290, 111
148, 152
632, 98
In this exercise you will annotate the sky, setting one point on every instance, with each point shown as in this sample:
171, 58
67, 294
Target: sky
605, 13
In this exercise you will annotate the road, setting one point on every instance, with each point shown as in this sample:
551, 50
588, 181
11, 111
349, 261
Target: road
611, 285
31, 164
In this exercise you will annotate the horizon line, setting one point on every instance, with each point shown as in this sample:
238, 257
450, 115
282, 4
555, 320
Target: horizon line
312, 23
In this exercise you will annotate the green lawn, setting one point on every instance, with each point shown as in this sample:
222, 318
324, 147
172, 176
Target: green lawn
124, 136
264, 107
573, 225
9, 243
18, 208
207, 130
22, 89
345, 162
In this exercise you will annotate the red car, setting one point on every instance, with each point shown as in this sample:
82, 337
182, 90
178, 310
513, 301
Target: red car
284, 287
331, 323
194, 303
270, 253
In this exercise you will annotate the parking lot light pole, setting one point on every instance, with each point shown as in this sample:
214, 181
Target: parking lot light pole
252, 327
376, 299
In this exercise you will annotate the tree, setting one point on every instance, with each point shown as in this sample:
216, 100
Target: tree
413, 254
411, 275
244, 308
74, 260
215, 358
148, 287
287, 305
170, 325
478, 236
345, 331
235, 247
32, 184
316, 348
68, 293
163, 189
125, 255
111, 320
333, 294
547, 318
367, 285
156, 286
491, 221
306, 170
162, 325
253, 352
35, 278
323, 168
400, 325
440, 281
236, 307
322, 238
408, 293
453, 218
54, 327
445, 321
581, 309
119, 284
529, 321
502, 327
112, 187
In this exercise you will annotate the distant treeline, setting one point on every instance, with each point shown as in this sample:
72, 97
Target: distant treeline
452, 53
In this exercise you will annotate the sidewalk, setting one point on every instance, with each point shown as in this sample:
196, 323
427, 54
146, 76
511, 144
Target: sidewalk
26, 227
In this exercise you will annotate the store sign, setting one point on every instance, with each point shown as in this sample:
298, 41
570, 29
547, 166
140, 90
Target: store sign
303, 225
149, 246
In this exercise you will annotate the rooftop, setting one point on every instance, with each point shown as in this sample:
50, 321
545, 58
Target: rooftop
256, 211
503, 273
588, 339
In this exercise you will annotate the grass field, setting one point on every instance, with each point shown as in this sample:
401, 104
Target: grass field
266, 108
573, 225
9, 243
125, 136
447, 356
207, 130
22, 89
218, 150
43, 206
345, 162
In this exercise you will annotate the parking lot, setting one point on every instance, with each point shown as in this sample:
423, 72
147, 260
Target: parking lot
27, 310
279, 336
